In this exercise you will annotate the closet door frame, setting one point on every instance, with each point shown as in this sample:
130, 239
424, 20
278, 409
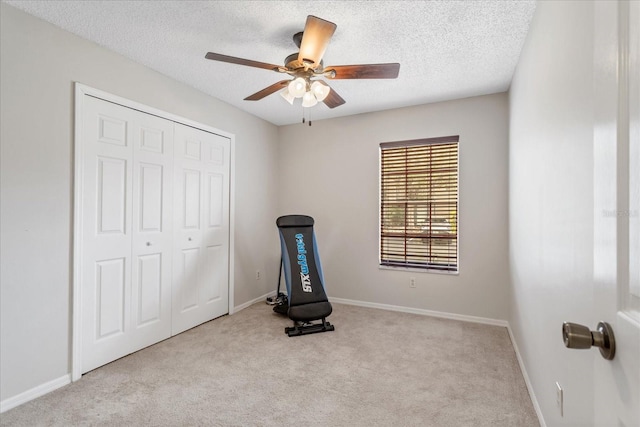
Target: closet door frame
81, 91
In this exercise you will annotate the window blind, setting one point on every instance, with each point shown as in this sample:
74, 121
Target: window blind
419, 203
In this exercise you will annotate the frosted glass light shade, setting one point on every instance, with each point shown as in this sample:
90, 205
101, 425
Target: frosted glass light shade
320, 90
287, 95
297, 87
309, 100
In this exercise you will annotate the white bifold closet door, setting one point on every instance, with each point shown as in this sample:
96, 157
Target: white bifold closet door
127, 231
201, 232
155, 229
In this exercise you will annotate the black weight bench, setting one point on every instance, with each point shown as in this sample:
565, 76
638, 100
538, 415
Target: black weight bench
303, 276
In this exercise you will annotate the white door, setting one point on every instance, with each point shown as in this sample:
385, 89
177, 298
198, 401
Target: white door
616, 400
201, 227
126, 231
152, 236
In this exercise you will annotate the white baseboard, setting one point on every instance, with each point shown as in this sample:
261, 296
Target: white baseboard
34, 393
237, 308
527, 381
421, 311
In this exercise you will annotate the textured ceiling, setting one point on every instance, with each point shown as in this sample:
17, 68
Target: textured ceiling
447, 49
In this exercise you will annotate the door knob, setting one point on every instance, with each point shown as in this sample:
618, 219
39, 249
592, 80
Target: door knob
580, 337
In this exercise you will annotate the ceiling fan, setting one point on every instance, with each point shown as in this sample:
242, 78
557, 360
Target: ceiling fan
306, 67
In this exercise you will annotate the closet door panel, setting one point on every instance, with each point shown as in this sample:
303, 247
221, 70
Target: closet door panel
106, 232
216, 164
152, 238
201, 227
127, 178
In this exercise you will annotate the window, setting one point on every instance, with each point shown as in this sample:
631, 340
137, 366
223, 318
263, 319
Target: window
419, 204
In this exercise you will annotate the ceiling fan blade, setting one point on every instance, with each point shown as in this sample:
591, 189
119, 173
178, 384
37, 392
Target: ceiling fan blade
241, 61
267, 91
315, 39
333, 100
365, 71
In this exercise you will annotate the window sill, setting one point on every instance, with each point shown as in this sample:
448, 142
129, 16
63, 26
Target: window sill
419, 270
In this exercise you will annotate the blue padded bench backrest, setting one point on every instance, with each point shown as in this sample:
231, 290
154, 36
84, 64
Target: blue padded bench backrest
302, 270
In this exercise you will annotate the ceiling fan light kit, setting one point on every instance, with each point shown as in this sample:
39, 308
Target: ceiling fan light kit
311, 93
320, 90
297, 87
309, 100
307, 63
287, 95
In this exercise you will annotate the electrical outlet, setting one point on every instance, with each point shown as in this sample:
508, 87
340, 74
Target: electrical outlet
559, 399
257, 274
412, 282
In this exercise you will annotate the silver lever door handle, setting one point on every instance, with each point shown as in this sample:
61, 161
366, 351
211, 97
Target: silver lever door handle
580, 337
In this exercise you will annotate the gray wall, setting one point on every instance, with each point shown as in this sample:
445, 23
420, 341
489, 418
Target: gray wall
39, 66
551, 204
330, 171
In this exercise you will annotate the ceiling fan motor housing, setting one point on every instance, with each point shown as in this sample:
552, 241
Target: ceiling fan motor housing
293, 63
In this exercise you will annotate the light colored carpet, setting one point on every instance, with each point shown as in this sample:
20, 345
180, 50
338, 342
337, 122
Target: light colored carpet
378, 368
